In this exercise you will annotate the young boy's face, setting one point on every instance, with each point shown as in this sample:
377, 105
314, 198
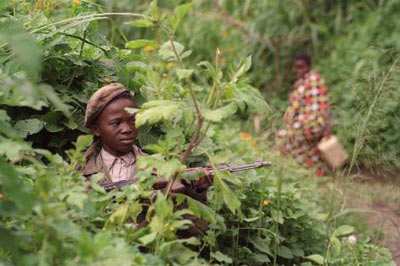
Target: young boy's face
116, 128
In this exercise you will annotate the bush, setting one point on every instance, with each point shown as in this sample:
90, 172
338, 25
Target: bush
51, 62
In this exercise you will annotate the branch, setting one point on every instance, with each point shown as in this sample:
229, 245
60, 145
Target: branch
193, 142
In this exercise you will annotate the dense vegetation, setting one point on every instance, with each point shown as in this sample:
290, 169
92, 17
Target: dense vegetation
197, 78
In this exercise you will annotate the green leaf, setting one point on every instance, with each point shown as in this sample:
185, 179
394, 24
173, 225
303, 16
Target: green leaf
7, 240
23, 46
171, 167
118, 217
147, 239
181, 10
222, 190
83, 142
221, 257
285, 252
318, 259
141, 43
220, 114
243, 68
203, 211
14, 189
28, 127
52, 96
252, 219
94, 182
141, 23
155, 114
4, 116
163, 206
131, 110
184, 73
261, 244
136, 66
167, 53
336, 245
175, 251
53, 120
158, 103
343, 230
153, 9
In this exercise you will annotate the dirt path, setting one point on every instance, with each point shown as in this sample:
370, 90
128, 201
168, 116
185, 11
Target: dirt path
382, 219
388, 222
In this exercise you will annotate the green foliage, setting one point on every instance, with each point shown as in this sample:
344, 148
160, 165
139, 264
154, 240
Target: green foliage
54, 57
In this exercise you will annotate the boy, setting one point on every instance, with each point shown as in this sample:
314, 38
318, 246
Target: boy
113, 151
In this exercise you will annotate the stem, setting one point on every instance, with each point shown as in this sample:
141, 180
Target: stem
41, 27
276, 227
80, 55
83, 40
193, 142
196, 136
217, 53
361, 137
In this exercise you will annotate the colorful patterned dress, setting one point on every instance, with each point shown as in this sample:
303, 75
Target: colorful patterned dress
307, 120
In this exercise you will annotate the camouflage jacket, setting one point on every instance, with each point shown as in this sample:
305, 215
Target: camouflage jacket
94, 163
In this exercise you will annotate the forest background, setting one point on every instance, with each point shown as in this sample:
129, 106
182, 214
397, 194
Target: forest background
56, 53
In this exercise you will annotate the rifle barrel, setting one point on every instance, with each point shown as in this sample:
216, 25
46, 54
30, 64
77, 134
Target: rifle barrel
208, 170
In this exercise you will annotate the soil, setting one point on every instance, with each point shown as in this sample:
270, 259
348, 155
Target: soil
390, 226
382, 219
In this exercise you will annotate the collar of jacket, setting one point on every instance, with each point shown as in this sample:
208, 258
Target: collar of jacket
94, 162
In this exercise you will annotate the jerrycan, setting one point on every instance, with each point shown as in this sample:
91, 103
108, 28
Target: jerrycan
333, 152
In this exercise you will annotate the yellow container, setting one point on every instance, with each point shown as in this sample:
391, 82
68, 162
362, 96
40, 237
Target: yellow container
333, 152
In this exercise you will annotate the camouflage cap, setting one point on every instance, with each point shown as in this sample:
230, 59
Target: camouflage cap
100, 99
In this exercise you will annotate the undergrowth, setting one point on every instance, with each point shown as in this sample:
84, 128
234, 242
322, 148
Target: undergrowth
55, 55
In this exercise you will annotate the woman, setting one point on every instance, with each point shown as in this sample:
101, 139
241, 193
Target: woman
307, 118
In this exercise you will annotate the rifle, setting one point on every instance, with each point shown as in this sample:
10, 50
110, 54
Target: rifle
195, 172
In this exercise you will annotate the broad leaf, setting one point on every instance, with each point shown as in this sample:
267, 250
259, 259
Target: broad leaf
184, 73
343, 230
181, 10
285, 252
14, 189
205, 212
243, 68
147, 239
228, 196
221, 257
336, 245
136, 66
318, 259
155, 114
23, 46
28, 127
220, 114
141, 23
166, 51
